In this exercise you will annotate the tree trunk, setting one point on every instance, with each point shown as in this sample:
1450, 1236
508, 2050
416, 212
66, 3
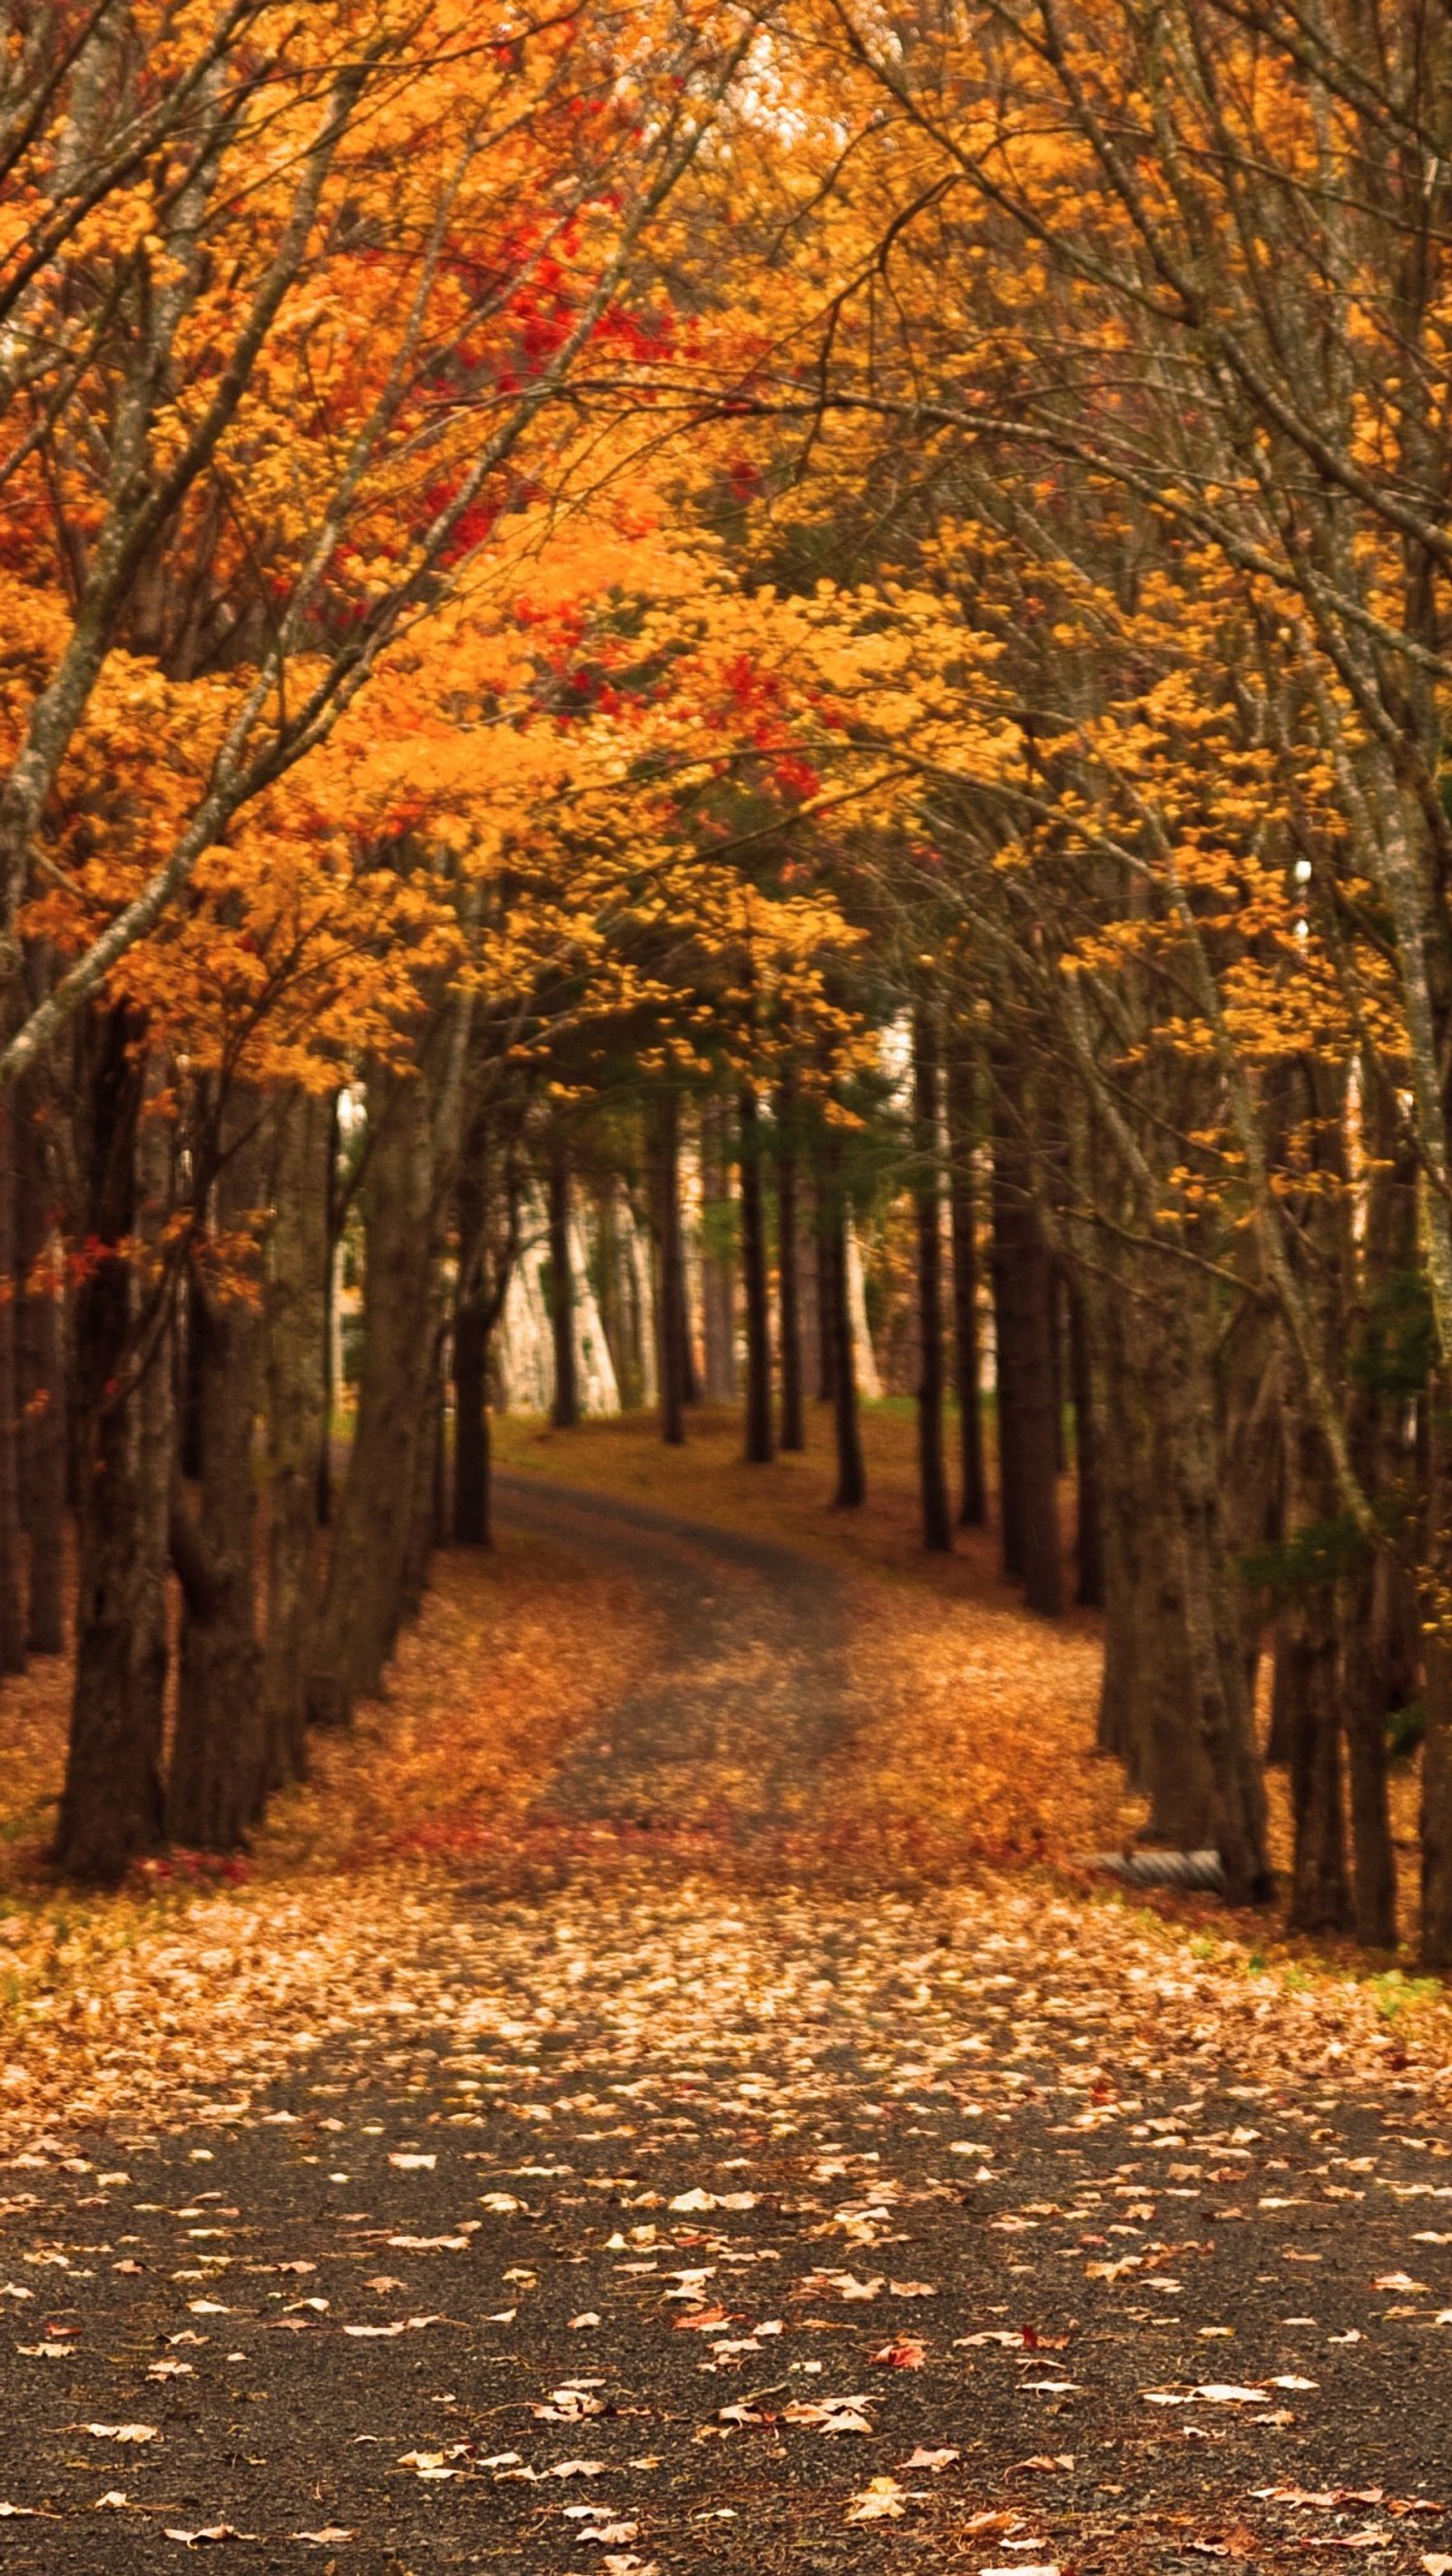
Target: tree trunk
1008, 1328
1023, 1281
1436, 1827
374, 1518
937, 1518
423, 1528
295, 1336
1278, 1734
1213, 1612
815, 1365
1089, 1541
1364, 1716
1320, 1895
565, 1411
471, 1423
40, 1379
967, 1368
111, 1805
329, 1324
788, 1275
13, 1622
753, 1270
666, 1193
718, 1256
837, 1317
219, 1749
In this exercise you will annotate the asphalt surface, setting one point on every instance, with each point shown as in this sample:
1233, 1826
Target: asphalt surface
690, 2207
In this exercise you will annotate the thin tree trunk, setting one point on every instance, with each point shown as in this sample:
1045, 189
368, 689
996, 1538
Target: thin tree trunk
837, 1313
685, 1333
1089, 1519
809, 1267
40, 1381
759, 1443
295, 1340
1023, 1286
1364, 1713
937, 1518
329, 1320
967, 1361
565, 1412
13, 1622
718, 1256
374, 1520
1008, 1331
1436, 1822
1320, 1895
424, 1517
667, 1196
826, 1344
788, 1238
219, 1749
111, 1806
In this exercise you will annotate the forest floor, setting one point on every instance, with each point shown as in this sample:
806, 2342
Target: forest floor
688, 1975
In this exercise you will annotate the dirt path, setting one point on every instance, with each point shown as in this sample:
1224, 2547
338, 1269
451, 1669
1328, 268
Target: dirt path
750, 1695
699, 2219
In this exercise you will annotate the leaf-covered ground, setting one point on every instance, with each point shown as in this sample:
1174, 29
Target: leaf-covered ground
611, 2130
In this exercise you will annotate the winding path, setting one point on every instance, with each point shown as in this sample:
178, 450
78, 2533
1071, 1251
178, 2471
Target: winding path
671, 2224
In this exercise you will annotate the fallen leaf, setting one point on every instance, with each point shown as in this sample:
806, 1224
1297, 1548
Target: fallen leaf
881, 2500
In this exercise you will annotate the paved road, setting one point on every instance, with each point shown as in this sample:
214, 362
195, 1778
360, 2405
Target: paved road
693, 2222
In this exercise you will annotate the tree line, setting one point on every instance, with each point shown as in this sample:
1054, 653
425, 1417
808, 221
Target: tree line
565, 575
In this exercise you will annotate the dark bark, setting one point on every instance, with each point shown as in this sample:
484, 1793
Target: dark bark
1364, 1703
1320, 1894
13, 1622
565, 1411
330, 1291
1436, 1821
967, 1357
471, 1425
685, 1335
793, 1432
851, 1486
1089, 1528
1214, 1610
295, 1335
218, 1761
670, 1264
1146, 1702
937, 1518
718, 1250
759, 1443
815, 1379
471, 1521
111, 1805
423, 1523
821, 1246
1023, 1285
40, 1377
374, 1519
1278, 1734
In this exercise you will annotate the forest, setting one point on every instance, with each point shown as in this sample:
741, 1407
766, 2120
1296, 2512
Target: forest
679, 640
725, 1284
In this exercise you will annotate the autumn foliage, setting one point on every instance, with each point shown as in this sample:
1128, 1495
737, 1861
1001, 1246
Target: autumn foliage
801, 655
